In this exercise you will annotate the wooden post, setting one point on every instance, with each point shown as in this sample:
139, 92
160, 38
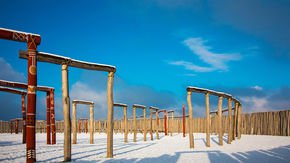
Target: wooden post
172, 123
31, 100
183, 120
151, 132
190, 124
92, 124
52, 120
100, 127
230, 120
144, 125
207, 119
125, 125
220, 114
165, 123
16, 125
48, 135
157, 125
23, 118
235, 120
135, 124
74, 123
66, 114
110, 115
239, 121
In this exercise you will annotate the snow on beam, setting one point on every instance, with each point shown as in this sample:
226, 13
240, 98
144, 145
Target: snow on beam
203, 90
11, 90
20, 36
6, 83
139, 106
153, 108
224, 110
83, 102
163, 110
57, 59
120, 105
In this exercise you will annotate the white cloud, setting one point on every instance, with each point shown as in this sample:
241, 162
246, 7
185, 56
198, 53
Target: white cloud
82, 91
191, 66
215, 61
8, 73
255, 104
258, 88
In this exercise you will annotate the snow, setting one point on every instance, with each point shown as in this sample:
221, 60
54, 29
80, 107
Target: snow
120, 104
168, 149
26, 33
139, 106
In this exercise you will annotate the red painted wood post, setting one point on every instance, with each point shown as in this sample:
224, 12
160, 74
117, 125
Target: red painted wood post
183, 120
32, 41
31, 99
23, 118
52, 119
48, 136
165, 122
16, 126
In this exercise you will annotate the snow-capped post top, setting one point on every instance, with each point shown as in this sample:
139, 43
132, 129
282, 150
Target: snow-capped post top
57, 59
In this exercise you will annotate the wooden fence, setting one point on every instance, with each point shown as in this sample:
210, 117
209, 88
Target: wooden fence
262, 123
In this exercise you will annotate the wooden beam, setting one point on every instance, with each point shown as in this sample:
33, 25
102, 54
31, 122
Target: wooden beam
20, 36
139, 106
120, 105
19, 85
14, 91
83, 102
57, 59
203, 90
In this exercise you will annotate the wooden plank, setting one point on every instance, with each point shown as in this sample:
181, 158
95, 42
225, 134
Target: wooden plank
57, 59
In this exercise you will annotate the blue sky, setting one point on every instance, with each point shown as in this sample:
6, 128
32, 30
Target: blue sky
159, 48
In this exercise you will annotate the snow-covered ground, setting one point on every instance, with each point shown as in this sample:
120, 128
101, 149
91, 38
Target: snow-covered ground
168, 149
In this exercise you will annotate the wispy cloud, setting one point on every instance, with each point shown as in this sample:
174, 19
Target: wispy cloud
215, 61
191, 66
258, 88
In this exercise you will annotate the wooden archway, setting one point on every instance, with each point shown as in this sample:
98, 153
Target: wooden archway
153, 110
170, 126
135, 106
74, 119
65, 62
165, 120
50, 113
220, 95
124, 106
